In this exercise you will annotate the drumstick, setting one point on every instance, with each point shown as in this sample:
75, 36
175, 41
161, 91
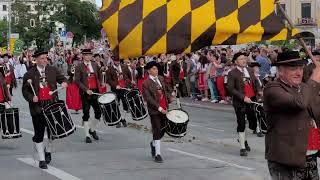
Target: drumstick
58, 89
126, 89
97, 94
30, 82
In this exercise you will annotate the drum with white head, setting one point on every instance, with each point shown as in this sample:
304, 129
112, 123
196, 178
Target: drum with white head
177, 123
110, 108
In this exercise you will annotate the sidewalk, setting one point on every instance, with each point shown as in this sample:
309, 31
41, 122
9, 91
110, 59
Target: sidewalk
188, 102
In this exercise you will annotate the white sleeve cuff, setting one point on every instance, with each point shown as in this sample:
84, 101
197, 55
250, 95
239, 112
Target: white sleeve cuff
160, 109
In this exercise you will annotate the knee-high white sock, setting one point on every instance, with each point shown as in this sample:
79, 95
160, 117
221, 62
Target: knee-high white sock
49, 146
86, 128
93, 124
242, 139
40, 150
157, 146
258, 127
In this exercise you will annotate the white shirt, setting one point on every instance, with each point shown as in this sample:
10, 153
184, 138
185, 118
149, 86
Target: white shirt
118, 68
244, 71
156, 80
89, 65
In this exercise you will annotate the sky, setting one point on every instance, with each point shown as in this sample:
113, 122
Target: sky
99, 3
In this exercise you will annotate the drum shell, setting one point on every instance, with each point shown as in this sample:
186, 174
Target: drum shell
10, 123
58, 120
136, 106
177, 130
110, 111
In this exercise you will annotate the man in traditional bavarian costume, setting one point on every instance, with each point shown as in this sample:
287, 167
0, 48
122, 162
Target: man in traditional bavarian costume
243, 87
156, 94
119, 78
292, 111
8, 72
42, 79
87, 77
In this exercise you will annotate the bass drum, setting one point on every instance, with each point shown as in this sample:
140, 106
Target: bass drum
10, 124
110, 109
177, 123
136, 106
58, 120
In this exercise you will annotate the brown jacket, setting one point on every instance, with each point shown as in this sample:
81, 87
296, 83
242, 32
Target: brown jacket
235, 86
81, 76
112, 77
53, 76
151, 96
4, 88
288, 120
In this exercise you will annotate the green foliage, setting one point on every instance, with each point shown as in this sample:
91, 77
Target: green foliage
81, 18
3, 33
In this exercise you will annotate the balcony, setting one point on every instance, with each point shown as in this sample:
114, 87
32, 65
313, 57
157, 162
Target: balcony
307, 22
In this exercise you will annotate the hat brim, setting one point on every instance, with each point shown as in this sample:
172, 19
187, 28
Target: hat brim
39, 54
300, 62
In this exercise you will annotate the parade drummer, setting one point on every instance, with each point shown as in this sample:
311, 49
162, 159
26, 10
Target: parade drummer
37, 83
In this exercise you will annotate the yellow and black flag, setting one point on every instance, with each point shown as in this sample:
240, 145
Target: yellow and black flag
148, 27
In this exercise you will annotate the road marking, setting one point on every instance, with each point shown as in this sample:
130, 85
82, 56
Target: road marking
51, 170
211, 159
31, 132
213, 129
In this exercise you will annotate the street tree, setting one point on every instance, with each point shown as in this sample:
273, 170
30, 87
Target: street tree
81, 18
3, 33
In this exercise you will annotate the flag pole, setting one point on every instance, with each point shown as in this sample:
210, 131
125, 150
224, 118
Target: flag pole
291, 26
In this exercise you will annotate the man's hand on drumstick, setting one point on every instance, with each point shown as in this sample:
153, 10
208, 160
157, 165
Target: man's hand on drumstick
118, 87
103, 84
35, 99
89, 92
247, 100
64, 85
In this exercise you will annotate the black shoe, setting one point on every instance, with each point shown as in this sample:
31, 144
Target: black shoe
88, 140
260, 134
158, 159
243, 152
94, 135
118, 125
43, 165
124, 122
47, 156
247, 146
153, 150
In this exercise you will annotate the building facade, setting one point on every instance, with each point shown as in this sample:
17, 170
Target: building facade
305, 15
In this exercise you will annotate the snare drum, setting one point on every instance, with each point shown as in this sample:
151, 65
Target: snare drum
177, 123
110, 108
10, 124
136, 106
58, 120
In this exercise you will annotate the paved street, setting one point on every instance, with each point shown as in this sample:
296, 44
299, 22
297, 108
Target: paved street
209, 151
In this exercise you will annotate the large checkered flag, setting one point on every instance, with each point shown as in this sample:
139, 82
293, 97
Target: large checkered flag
148, 27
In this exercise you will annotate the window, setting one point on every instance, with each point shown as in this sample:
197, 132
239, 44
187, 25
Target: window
32, 23
29, 7
4, 18
306, 10
4, 7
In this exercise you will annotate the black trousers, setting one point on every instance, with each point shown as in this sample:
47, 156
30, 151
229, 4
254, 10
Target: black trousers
284, 172
241, 113
87, 102
158, 123
121, 97
39, 125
